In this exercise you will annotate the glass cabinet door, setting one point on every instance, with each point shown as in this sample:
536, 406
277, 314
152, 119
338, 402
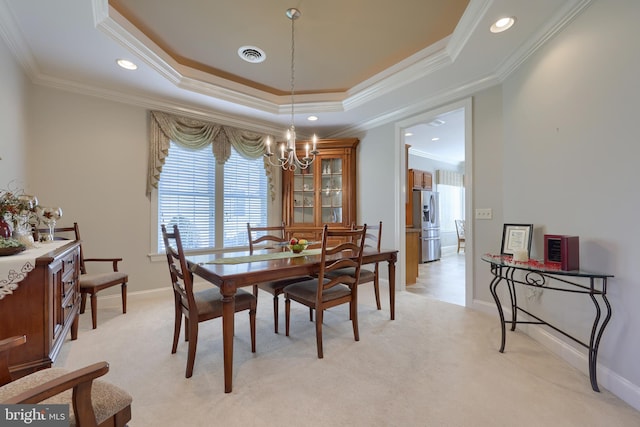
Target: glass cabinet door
331, 190
303, 196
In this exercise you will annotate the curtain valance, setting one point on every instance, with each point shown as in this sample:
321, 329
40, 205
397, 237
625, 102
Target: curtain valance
452, 178
197, 134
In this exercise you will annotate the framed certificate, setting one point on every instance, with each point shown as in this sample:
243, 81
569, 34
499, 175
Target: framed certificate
516, 237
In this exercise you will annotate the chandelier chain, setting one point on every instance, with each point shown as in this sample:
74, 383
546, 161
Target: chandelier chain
285, 155
293, 69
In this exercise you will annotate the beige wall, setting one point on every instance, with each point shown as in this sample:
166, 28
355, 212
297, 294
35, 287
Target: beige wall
570, 167
13, 122
89, 156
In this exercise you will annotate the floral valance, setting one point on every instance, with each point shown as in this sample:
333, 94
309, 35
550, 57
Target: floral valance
196, 134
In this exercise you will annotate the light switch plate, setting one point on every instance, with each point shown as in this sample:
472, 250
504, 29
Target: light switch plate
484, 213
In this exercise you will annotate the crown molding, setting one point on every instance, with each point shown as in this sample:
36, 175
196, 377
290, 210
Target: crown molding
562, 18
11, 34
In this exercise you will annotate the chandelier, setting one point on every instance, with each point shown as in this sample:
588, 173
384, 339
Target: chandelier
287, 158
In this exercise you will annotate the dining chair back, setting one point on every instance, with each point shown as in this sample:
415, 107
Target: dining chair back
460, 225
269, 238
92, 283
373, 238
328, 290
197, 306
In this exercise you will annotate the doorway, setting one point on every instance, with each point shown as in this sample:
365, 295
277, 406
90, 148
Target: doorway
440, 140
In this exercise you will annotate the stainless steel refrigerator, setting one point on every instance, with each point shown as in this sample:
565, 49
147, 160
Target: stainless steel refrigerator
425, 213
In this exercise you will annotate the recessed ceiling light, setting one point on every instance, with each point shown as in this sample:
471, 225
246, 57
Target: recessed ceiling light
408, 134
312, 118
252, 54
435, 139
126, 64
436, 122
503, 24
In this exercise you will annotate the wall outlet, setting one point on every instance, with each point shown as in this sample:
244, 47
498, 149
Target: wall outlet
484, 213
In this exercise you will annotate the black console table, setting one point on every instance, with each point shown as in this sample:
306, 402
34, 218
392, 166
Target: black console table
536, 274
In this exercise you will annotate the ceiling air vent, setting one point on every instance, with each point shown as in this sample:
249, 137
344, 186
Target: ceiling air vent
252, 54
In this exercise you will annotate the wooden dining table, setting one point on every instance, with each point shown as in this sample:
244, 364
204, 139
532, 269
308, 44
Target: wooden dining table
230, 271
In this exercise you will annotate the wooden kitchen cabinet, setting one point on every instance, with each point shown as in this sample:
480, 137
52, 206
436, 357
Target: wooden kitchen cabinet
420, 180
413, 254
324, 193
44, 307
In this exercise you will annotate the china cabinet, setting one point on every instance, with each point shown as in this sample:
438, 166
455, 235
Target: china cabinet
324, 193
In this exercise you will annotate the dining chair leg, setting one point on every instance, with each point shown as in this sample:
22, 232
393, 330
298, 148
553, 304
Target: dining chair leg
319, 316
83, 302
310, 314
255, 291
287, 314
176, 328
354, 319
94, 310
252, 325
376, 290
123, 291
275, 314
191, 352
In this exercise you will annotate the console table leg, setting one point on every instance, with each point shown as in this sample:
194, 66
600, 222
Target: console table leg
494, 294
594, 342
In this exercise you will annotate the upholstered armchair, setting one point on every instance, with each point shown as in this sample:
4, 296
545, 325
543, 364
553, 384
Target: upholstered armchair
92, 402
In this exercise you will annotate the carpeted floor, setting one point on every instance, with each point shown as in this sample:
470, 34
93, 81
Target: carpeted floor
437, 364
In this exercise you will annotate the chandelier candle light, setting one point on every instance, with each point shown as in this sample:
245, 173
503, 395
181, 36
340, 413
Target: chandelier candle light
288, 159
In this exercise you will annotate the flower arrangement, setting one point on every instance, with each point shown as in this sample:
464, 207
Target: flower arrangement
15, 206
17, 211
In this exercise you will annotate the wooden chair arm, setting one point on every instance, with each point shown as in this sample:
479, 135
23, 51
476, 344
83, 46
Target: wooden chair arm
58, 385
6, 345
115, 261
79, 380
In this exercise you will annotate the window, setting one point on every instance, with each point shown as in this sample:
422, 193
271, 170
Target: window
211, 203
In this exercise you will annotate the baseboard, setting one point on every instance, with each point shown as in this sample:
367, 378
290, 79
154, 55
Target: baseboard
607, 379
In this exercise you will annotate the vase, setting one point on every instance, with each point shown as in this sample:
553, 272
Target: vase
5, 230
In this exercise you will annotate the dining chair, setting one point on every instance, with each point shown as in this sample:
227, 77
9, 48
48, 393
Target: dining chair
197, 306
460, 232
91, 401
92, 283
323, 292
269, 238
373, 237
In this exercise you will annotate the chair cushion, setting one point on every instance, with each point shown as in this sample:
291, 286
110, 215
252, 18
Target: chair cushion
100, 279
307, 291
209, 301
107, 398
276, 287
365, 275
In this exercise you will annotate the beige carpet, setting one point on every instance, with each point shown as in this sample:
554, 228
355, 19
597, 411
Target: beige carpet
437, 364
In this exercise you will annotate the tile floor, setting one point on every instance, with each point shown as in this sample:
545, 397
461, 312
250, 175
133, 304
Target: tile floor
443, 279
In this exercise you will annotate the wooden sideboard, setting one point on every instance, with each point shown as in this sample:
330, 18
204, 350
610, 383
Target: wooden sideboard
44, 307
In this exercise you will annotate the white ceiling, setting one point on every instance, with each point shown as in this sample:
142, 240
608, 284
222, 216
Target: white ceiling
359, 64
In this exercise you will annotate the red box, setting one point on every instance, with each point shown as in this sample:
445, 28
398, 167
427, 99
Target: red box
562, 250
